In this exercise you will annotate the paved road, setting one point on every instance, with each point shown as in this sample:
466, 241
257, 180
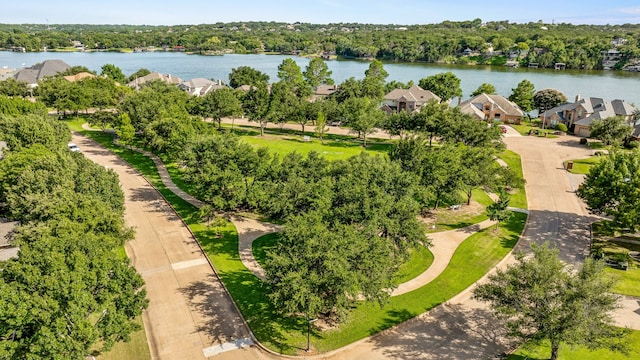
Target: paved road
189, 315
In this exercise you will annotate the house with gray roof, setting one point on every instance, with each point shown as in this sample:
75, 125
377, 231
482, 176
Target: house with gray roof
491, 107
200, 86
154, 76
579, 115
37, 72
409, 100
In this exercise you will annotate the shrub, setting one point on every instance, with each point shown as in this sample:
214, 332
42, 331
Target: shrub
583, 141
562, 127
632, 144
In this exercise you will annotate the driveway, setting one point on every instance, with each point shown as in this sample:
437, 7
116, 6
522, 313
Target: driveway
190, 316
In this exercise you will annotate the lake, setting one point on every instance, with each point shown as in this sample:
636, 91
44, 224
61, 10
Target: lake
605, 84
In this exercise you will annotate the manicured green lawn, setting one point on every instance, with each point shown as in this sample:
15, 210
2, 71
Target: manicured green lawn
518, 195
530, 351
136, 349
472, 260
419, 261
627, 282
446, 219
582, 166
524, 129
331, 149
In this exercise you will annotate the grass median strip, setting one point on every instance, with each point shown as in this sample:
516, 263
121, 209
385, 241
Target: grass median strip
472, 260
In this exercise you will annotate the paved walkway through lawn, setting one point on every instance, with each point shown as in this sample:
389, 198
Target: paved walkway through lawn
444, 243
464, 328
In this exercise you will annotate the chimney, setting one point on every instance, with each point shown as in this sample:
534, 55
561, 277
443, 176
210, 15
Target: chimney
577, 97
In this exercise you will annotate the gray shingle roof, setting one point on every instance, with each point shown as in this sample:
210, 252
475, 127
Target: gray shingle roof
33, 74
415, 93
476, 103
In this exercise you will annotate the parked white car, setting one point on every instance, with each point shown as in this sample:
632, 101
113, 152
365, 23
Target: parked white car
73, 147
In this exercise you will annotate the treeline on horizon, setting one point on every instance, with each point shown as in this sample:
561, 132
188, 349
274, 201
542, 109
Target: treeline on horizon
577, 46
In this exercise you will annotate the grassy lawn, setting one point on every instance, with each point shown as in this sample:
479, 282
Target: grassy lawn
518, 195
444, 219
627, 282
524, 129
419, 261
582, 166
472, 260
136, 349
530, 351
331, 149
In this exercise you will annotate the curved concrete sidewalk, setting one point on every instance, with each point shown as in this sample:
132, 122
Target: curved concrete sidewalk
444, 245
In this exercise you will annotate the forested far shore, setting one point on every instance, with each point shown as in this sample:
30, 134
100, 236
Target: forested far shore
467, 42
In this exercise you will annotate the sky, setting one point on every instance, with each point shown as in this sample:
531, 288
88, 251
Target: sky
406, 12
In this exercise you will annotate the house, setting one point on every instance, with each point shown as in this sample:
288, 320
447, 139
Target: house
200, 86
78, 76
492, 107
410, 100
322, 91
579, 115
37, 72
610, 58
168, 78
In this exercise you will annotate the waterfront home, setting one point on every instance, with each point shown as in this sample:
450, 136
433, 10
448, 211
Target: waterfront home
200, 86
490, 107
168, 78
322, 91
37, 72
409, 100
579, 115
79, 76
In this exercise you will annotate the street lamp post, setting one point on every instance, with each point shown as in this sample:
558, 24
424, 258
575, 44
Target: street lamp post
309, 321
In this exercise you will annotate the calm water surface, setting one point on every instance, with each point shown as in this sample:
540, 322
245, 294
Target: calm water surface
606, 84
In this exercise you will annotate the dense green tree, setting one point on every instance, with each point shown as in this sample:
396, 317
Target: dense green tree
547, 99
171, 135
319, 270
321, 126
246, 75
374, 80
480, 170
522, 95
220, 103
485, 88
362, 116
611, 130
350, 88
113, 72
25, 131
316, 73
541, 299
74, 70
498, 210
125, 130
256, 105
138, 74
12, 88
611, 186
17, 106
445, 85
155, 100
291, 75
